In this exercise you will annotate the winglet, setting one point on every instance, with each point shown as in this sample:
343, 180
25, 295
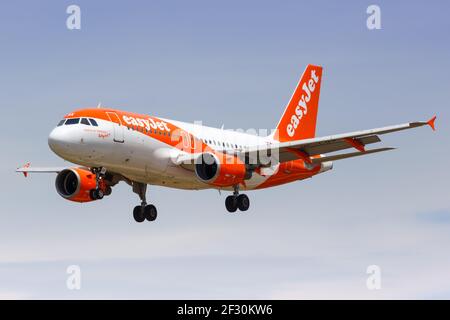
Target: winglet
26, 166
431, 123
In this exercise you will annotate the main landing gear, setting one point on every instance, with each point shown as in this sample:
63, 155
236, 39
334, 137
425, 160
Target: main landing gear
101, 189
144, 211
237, 201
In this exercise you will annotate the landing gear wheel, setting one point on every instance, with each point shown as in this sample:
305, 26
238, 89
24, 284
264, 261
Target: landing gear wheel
138, 214
243, 202
150, 212
96, 194
99, 193
231, 203
108, 191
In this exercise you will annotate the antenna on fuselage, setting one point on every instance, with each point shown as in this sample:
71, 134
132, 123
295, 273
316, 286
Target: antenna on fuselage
99, 105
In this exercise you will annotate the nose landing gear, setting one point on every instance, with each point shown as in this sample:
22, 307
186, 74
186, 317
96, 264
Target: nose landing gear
237, 201
144, 211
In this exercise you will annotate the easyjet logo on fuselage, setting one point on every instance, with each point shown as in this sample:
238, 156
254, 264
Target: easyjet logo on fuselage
146, 123
302, 107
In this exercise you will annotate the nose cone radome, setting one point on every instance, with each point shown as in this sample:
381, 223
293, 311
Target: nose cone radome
56, 141
62, 141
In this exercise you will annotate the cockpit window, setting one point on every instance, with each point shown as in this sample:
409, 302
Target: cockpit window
61, 122
72, 121
85, 121
93, 122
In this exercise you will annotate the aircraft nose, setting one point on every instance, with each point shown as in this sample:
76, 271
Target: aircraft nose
56, 140
67, 141
63, 140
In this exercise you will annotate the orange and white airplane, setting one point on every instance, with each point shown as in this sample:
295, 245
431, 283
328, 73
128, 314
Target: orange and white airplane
111, 145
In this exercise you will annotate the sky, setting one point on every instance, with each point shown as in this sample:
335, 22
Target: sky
230, 63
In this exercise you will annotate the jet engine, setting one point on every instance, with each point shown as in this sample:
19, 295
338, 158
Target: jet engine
77, 184
221, 170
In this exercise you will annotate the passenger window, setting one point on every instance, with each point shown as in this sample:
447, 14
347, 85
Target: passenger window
85, 121
61, 122
72, 121
93, 122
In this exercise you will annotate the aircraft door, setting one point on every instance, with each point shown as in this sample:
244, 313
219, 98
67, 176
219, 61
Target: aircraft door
118, 128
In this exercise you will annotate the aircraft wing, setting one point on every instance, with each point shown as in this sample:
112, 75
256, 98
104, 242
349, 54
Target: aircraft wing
26, 169
310, 150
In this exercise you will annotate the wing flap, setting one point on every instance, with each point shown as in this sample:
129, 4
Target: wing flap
325, 147
338, 145
348, 155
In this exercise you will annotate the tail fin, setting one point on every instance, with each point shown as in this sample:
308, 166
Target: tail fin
299, 118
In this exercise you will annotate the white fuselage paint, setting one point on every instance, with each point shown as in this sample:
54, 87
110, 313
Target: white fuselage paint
141, 157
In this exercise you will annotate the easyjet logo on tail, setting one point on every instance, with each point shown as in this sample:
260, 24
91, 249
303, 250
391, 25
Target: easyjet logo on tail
299, 118
302, 107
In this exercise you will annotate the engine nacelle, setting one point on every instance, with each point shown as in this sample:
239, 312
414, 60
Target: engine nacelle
220, 170
75, 184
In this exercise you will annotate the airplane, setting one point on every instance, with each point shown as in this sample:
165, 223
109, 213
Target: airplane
110, 145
